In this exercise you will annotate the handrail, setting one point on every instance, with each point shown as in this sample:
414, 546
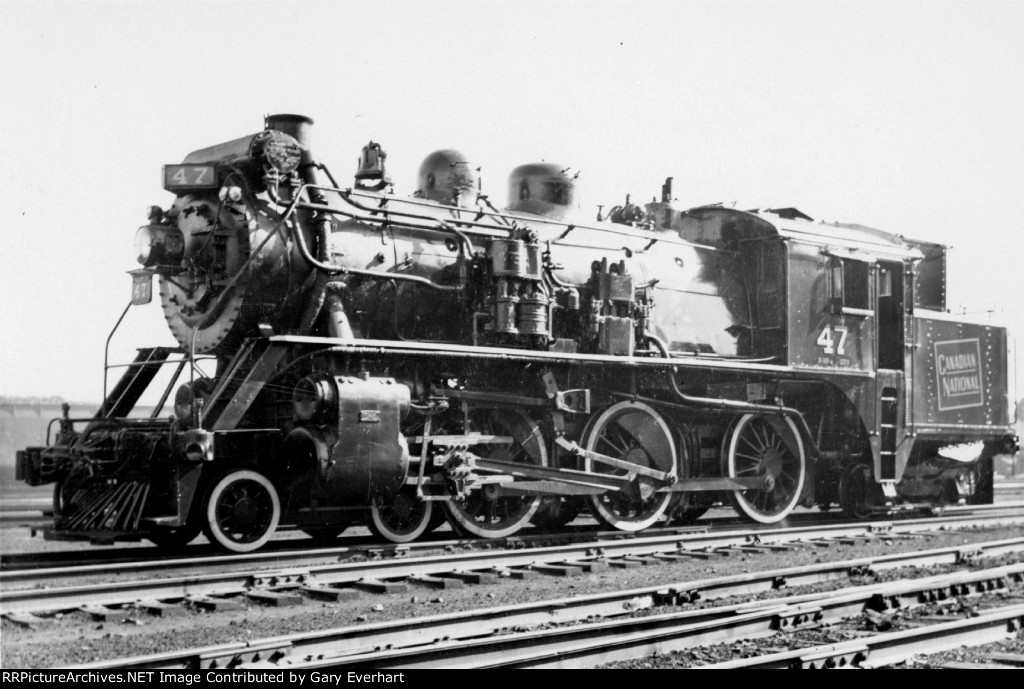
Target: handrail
106, 352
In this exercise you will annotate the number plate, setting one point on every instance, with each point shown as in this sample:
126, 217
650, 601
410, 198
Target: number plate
187, 177
142, 286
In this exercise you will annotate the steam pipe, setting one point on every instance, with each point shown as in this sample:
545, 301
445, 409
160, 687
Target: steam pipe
493, 231
729, 405
300, 240
504, 215
723, 405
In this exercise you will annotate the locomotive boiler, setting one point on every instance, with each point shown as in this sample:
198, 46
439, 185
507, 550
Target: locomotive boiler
402, 361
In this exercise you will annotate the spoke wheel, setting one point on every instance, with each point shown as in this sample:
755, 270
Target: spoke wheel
485, 512
633, 432
770, 449
242, 511
402, 519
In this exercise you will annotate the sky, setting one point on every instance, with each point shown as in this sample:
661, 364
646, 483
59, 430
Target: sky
903, 116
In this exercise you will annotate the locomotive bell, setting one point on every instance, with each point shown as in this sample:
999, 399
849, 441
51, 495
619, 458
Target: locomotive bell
447, 177
543, 188
370, 173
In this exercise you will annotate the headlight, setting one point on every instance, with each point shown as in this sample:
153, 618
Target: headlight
157, 245
144, 245
313, 396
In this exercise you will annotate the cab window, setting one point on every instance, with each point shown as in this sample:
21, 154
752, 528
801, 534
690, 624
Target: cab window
849, 283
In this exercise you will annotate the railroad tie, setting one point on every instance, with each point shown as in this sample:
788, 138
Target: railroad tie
473, 577
330, 593
1014, 659
730, 551
435, 582
218, 603
587, 565
561, 570
517, 573
379, 586
275, 598
27, 619
161, 609
102, 613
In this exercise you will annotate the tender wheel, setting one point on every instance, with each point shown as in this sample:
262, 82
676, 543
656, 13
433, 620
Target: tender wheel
174, 539
405, 518
855, 485
242, 511
770, 449
634, 432
485, 512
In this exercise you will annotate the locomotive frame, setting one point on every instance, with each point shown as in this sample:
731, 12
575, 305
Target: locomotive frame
405, 361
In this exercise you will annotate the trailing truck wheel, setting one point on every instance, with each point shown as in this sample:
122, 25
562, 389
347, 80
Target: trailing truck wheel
855, 486
486, 513
402, 519
767, 448
636, 433
242, 511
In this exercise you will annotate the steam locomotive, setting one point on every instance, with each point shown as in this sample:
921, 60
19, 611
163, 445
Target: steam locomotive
405, 361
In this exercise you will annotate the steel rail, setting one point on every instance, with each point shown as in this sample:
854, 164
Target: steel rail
12, 568
591, 644
351, 573
335, 643
895, 647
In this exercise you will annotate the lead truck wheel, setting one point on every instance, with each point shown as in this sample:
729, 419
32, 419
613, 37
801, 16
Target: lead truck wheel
403, 518
242, 511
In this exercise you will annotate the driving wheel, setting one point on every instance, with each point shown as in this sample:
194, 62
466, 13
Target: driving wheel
633, 432
486, 512
769, 449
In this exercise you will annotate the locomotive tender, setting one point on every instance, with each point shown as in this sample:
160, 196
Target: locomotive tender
402, 361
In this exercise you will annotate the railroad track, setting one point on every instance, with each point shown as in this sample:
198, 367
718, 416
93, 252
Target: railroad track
336, 581
295, 553
483, 638
993, 625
